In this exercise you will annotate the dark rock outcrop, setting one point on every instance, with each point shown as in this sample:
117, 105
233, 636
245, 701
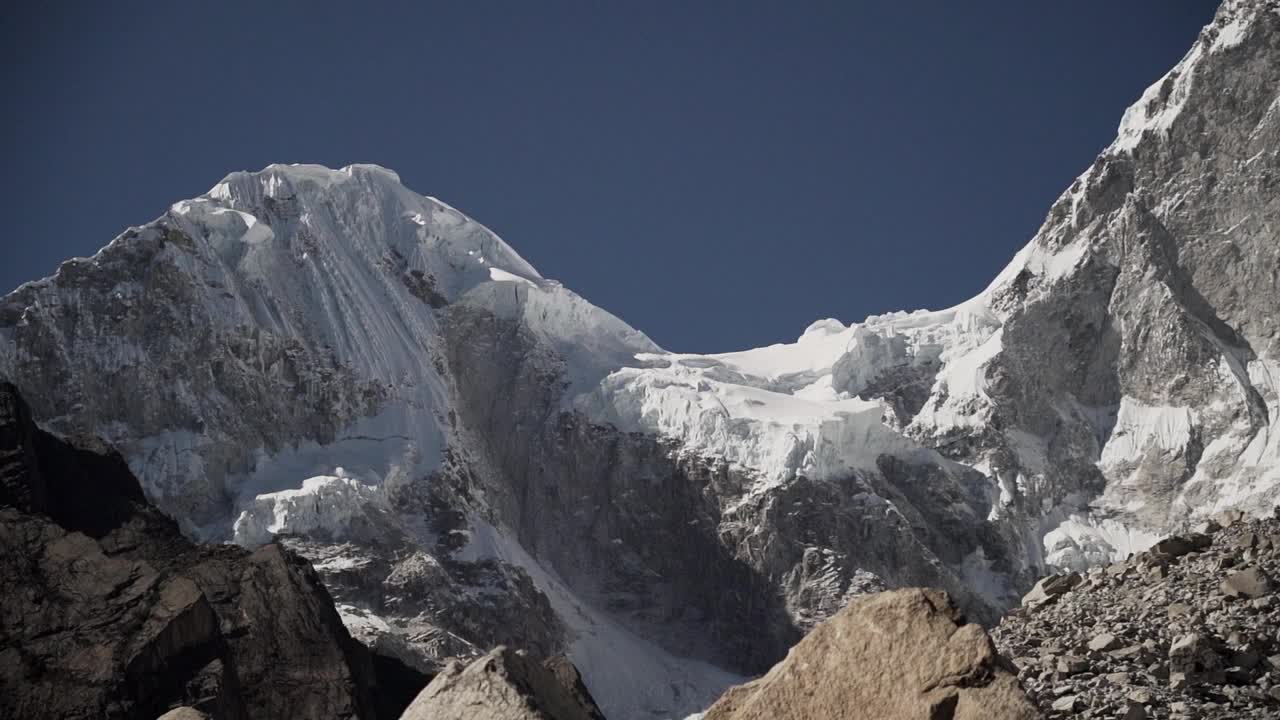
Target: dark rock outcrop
893, 655
109, 612
506, 685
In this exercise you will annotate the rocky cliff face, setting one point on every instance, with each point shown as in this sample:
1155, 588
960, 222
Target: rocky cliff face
1135, 385
472, 454
108, 612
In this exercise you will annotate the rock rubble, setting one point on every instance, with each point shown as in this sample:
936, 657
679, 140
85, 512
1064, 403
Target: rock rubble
1189, 629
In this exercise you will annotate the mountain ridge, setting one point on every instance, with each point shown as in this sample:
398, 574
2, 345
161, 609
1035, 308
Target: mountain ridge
329, 358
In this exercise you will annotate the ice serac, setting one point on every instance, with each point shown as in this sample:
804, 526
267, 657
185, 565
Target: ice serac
473, 455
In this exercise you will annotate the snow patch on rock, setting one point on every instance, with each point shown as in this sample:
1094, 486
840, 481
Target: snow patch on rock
1140, 426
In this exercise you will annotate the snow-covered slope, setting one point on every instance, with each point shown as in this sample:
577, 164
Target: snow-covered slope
472, 453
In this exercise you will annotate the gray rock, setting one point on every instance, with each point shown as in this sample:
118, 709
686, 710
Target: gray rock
504, 685
1249, 583
1117, 569
1177, 546
1048, 588
1127, 652
1227, 518
1104, 641
1141, 696
1195, 659
1247, 541
1072, 665
1066, 704
1208, 527
1135, 711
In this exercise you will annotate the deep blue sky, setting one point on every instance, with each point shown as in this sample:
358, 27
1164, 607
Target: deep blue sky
719, 174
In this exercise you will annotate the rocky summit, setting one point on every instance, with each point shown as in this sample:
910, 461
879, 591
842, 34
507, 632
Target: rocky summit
1189, 629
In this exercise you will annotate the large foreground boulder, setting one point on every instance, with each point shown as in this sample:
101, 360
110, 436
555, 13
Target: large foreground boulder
506, 685
898, 655
107, 611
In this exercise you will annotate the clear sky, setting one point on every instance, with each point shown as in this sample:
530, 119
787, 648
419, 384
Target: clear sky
719, 174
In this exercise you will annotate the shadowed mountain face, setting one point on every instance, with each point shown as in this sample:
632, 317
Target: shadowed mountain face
109, 612
473, 455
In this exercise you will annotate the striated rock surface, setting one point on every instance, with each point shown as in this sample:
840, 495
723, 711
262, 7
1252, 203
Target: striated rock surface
506, 685
108, 612
1189, 629
896, 655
